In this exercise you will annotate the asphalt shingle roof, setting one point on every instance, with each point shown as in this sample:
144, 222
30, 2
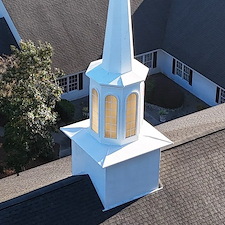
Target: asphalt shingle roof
195, 35
192, 173
149, 24
180, 131
193, 176
6, 38
192, 31
76, 29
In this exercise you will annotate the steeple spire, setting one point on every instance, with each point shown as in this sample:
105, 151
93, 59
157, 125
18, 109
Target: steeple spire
118, 46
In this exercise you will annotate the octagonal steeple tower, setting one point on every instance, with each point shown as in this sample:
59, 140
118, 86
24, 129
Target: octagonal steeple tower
117, 82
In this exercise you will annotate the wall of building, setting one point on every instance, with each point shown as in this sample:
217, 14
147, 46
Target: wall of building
76, 94
82, 163
4, 13
132, 178
201, 87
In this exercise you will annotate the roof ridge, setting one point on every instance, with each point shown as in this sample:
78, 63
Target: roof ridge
194, 126
179, 143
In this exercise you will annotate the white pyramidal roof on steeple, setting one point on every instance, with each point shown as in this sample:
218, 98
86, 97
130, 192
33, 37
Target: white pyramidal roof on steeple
118, 50
118, 66
107, 155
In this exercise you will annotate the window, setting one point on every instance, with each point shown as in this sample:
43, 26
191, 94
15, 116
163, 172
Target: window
182, 71
63, 84
220, 95
131, 115
149, 59
179, 68
94, 112
187, 72
110, 117
71, 82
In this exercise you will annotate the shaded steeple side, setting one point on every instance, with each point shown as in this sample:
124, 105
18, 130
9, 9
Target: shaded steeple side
118, 46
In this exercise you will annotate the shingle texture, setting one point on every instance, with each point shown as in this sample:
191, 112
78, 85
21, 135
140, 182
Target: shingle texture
195, 35
76, 28
38, 177
180, 131
195, 125
193, 176
192, 31
149, 24
6, 38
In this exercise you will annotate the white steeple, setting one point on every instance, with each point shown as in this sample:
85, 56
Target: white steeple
116, 147
118, 66
118, 51
117, 75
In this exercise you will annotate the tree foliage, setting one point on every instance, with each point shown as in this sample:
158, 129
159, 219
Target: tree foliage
28, 94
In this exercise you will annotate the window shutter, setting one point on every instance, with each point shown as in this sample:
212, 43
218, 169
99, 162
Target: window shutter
80, 81
154, 59
173, 68
217, 94
190, 77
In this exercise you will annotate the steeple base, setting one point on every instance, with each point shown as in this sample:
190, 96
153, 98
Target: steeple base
119, 173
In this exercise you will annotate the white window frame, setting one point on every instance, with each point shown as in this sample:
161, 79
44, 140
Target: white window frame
94, 110
146, 59
111, 116
70, 82
221, 95
182, 70
131, 115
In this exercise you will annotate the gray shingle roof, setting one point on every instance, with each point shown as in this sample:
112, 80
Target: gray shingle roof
193, 176
195, 35
180, 131
192, 173
76, 29
149, 23
192, 31
6, 38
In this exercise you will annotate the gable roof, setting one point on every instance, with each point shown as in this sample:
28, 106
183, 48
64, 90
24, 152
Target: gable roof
76, 29
72, 28
192, 174
6, 38
191, 31
195, 35
149, 24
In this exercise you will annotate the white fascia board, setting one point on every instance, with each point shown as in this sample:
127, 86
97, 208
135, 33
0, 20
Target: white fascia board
149, 140
4, 13
103, 77
73, 129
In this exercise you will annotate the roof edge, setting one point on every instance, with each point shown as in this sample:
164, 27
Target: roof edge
41, 191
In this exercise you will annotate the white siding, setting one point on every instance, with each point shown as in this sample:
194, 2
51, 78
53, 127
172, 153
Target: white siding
76, 94
201, 87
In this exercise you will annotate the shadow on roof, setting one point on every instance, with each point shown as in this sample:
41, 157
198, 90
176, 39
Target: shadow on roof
6, 38
70, 201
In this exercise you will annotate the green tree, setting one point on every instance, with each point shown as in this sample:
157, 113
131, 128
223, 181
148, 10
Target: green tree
28, 94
